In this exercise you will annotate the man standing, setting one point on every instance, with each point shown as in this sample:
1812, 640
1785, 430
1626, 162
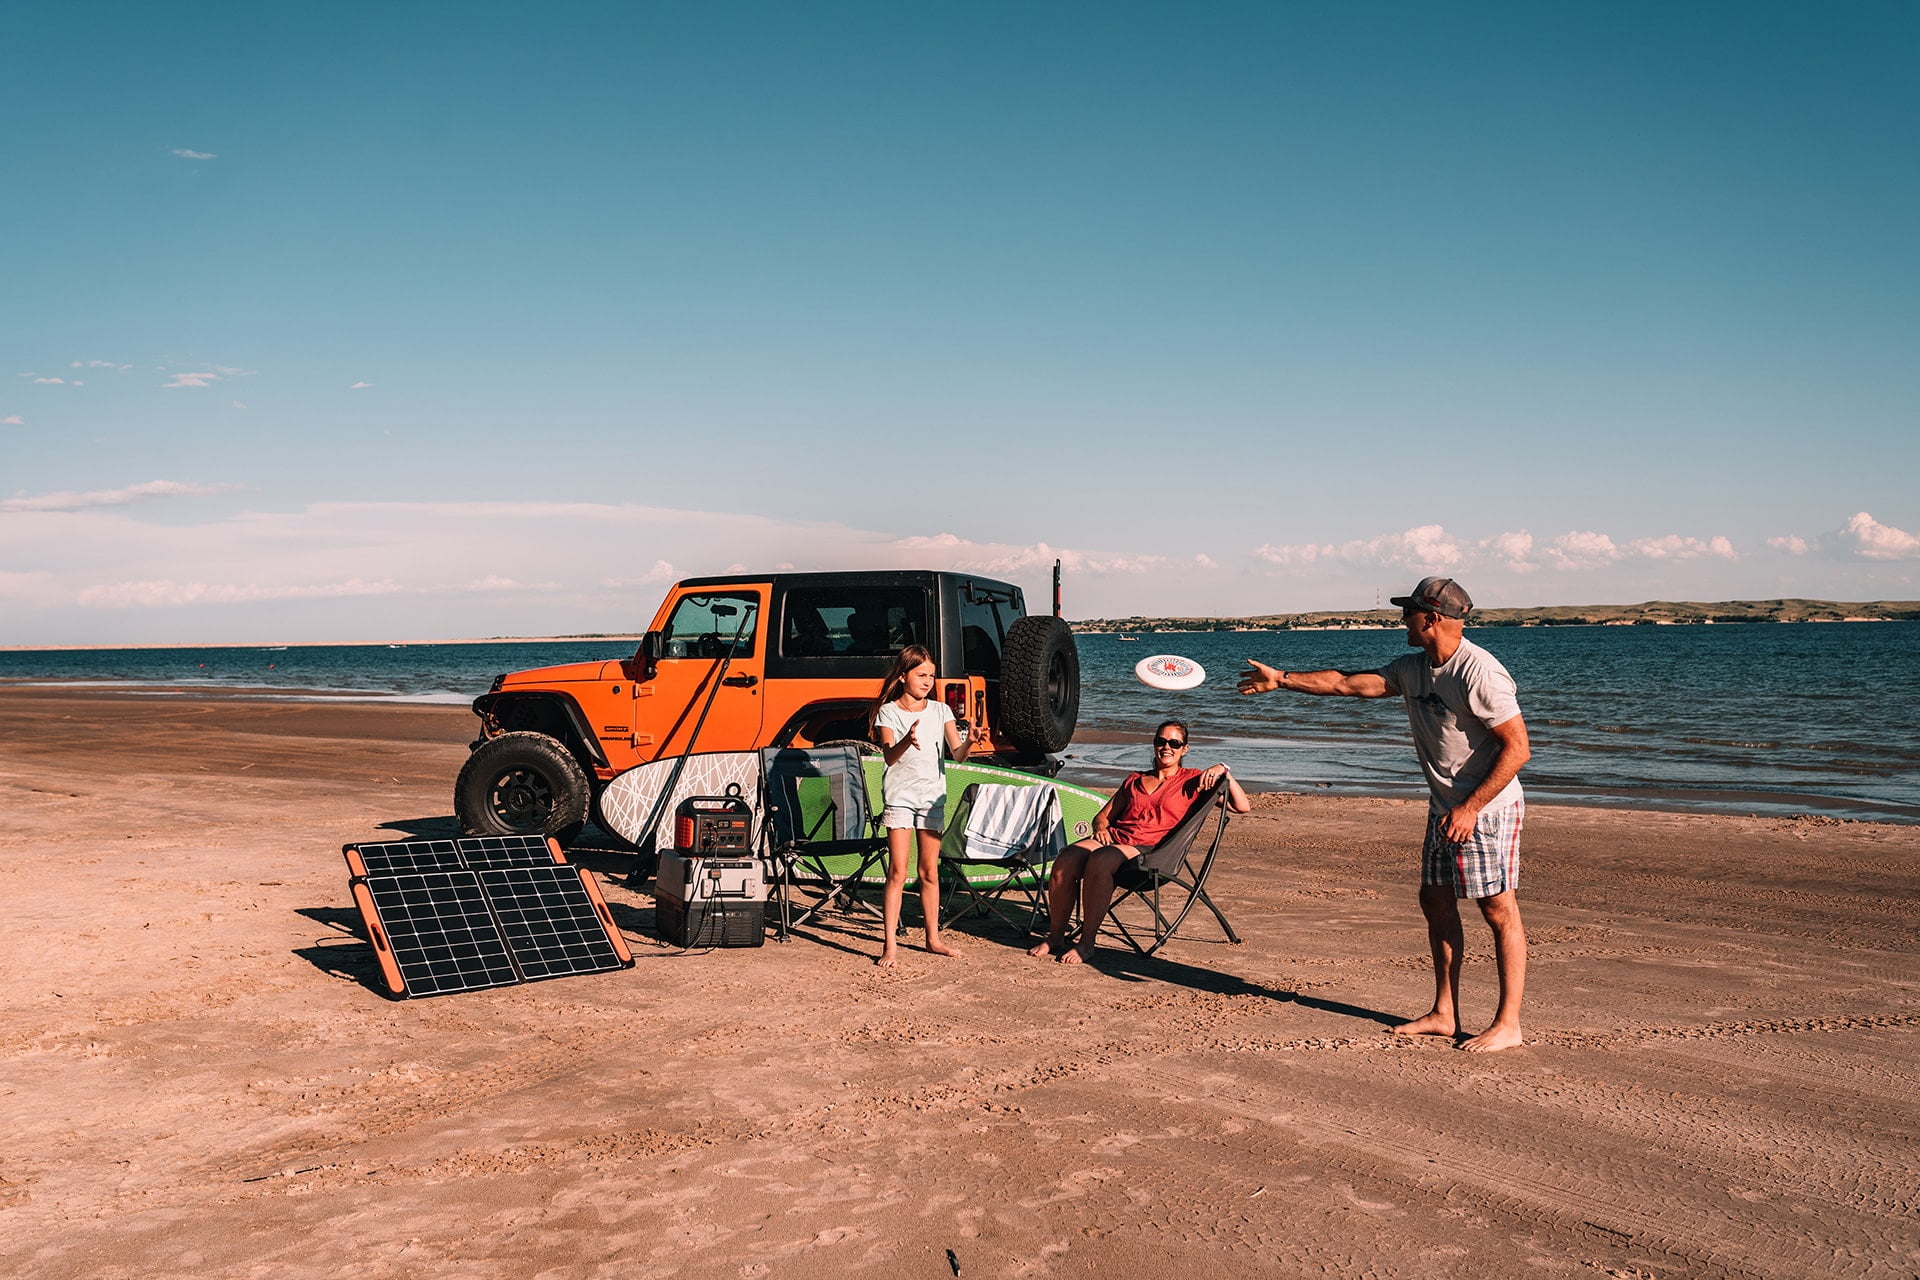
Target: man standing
1471, 741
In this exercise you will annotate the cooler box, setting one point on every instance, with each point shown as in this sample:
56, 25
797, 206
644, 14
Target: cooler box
710, 901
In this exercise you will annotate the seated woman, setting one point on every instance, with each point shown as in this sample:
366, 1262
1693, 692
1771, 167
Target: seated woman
1141, 813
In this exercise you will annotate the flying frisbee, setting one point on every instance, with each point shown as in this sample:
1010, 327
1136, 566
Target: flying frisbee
1166, 671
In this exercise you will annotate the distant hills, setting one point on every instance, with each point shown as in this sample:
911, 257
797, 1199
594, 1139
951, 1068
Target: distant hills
1651, 613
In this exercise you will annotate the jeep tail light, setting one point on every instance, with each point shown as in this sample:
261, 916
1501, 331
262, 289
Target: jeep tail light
956, 700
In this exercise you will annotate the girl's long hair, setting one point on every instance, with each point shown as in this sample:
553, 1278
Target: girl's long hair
896, 682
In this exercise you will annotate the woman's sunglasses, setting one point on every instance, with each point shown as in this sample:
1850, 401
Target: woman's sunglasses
1171, 744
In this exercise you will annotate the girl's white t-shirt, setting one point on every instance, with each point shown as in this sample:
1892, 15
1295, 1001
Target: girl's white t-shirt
915, 780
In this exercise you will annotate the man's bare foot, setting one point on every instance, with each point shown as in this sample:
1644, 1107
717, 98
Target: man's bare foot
1050, 947
1076, 955
1433, 1024
940, 948
1494, 1039
887, 959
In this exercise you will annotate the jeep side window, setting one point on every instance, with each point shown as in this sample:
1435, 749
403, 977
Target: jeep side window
703, 627
852, 622
983, 633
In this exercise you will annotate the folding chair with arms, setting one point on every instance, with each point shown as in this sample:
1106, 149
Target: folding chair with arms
820, 828
1016, 830
1169, 868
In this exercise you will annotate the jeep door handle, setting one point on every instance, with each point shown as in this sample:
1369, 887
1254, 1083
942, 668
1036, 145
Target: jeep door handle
741, 682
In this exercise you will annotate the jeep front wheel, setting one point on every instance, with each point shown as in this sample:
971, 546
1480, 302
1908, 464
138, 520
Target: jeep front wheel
522, 784
1040, 684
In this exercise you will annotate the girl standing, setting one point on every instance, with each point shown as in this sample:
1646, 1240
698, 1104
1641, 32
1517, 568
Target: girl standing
913, 791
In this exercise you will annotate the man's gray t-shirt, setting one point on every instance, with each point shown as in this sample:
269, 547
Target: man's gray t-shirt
1453, 708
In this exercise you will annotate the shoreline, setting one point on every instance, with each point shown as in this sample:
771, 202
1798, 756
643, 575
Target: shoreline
1714, 801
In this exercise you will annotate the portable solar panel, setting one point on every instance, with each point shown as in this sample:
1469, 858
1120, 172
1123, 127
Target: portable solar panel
484, 911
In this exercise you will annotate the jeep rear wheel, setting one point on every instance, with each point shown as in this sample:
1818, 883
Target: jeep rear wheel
1040, 684
522, 784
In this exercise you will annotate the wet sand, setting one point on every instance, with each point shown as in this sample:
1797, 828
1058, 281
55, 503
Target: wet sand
198, 1076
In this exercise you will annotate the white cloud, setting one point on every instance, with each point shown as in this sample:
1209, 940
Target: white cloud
661, 573
1205, 561
13, 420
359, 386
50, 382
71, 501
238, 404
1675, 547
101, 364
1867, 538
187, 153
165, 593
1431, 549
202, 378
1004, 560
1791, 544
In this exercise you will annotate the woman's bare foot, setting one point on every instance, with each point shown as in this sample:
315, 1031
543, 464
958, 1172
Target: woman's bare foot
1434, 1024
1494, 1039
1076, 955
939, 948
1052, 946
887, 959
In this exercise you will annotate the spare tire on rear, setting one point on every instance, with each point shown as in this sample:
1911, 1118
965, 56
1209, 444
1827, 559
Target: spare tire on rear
1039, 685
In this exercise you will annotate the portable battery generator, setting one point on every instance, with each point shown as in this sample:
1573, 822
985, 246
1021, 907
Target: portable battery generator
710, 889
713, 826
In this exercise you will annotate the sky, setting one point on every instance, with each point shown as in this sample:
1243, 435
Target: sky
405, 322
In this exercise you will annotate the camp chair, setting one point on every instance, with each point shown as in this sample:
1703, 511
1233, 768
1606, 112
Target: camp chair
1169, 868
819, 828
1014, 829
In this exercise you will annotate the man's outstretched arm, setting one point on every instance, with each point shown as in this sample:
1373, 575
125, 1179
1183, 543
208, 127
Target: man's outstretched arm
1261, 678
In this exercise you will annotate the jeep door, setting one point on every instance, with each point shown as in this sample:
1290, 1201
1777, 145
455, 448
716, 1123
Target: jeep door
704, 626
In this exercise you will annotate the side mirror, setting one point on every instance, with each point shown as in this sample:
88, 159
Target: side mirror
647, 658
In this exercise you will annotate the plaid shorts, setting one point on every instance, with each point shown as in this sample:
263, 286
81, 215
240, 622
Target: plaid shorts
1488, 863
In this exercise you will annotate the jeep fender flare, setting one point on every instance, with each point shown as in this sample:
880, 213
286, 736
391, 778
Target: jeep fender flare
555, 714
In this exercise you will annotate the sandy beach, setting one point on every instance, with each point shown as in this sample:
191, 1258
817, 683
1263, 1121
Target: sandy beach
200, 1077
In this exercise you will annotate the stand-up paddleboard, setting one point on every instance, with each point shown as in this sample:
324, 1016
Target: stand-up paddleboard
1077, 806
629, 799
1169, 671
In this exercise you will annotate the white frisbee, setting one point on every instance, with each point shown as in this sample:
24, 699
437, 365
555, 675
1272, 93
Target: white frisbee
1167, 671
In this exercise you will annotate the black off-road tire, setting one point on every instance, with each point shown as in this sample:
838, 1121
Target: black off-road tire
1040, 685
522, 784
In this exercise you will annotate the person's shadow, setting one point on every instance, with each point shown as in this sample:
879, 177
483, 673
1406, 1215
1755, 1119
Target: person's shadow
1131, 967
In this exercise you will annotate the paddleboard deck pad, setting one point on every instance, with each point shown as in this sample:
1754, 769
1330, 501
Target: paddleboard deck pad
628, 801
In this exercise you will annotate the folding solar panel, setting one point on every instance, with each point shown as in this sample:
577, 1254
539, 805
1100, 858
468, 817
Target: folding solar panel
484, 911
550, 925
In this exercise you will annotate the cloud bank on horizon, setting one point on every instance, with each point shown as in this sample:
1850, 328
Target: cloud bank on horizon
338, 571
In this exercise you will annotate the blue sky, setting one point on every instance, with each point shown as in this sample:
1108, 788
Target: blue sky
401, 322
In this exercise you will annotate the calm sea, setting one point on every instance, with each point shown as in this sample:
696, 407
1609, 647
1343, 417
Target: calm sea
1761, 718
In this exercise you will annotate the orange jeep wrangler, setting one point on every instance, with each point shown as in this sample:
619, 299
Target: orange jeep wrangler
766, 660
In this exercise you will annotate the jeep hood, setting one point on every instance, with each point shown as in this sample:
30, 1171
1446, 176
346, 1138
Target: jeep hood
571, 673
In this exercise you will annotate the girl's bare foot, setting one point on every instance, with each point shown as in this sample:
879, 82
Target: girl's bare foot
1434, 1024
1076, 955
886, 959
1050, 947
939, 948
1494, 1039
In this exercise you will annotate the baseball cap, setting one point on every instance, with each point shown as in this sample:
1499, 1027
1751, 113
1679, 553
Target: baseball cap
1443, 596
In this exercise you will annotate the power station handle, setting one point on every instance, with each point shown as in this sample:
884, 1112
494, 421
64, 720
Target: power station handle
741, 682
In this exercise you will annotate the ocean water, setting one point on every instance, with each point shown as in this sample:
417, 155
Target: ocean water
1761, 718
